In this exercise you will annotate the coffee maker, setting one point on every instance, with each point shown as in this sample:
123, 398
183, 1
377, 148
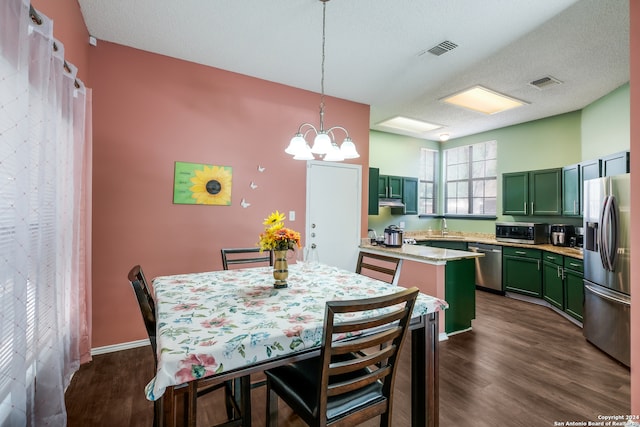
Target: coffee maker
562, 234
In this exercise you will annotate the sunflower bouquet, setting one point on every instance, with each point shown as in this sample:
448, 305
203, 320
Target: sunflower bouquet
277, 237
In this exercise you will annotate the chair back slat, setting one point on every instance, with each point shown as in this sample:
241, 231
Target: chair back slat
242, 256
379, 267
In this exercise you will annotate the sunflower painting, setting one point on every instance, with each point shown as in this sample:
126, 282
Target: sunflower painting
198, 184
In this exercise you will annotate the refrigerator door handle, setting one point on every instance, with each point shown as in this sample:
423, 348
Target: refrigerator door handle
605, 296
609, 234
602, 234
614, 226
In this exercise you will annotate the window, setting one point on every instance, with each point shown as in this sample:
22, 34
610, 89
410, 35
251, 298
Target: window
427, 191
470, 179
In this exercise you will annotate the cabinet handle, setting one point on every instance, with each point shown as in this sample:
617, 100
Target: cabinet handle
521, 253
525, 208
551, 257
531, 208
575, 206
574, 264
558, 271
538, 265
562, 276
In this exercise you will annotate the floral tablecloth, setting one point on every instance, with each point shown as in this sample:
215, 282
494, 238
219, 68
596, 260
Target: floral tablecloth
218, 321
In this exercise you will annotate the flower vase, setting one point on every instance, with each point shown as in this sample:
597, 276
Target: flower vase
280, 269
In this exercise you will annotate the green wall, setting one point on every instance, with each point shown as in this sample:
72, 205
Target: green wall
601, 128
606, 124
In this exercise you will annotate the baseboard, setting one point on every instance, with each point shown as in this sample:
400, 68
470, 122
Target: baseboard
458, 332
542, 302
443, 336
119, 347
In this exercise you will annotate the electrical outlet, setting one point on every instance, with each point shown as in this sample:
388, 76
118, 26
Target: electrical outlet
401, 224
292, 215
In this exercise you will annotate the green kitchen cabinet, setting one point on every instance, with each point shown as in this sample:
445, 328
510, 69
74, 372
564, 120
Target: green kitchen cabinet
390, 186
553, 279
515, 193
536, 192
374, 175
590, 169
545, 192
460, 288
616, 164
521, 271
410, 195
571, 190
574, 287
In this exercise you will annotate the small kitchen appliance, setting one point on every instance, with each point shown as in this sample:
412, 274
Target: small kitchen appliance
561, 234
531, 233
393, 236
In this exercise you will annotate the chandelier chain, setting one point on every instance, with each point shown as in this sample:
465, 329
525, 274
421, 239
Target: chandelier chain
324, 20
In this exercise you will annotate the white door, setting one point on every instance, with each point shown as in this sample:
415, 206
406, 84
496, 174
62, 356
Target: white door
334, 195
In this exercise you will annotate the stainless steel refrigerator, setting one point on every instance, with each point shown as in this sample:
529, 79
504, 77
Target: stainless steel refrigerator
607, 290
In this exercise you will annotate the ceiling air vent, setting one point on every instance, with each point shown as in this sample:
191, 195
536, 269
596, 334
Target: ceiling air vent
441, 48
545, 82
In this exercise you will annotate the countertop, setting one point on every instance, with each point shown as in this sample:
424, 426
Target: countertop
426, 254
490, 240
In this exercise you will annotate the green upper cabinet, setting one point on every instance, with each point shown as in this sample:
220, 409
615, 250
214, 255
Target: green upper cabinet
515, 193
390, 186
590, 169
616, 164
545, 192
410, 195
532, 193
571, 190
374, 174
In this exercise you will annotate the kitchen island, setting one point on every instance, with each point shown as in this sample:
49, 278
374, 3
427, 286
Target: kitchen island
444, 273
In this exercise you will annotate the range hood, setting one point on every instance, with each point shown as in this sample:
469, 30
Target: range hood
392, 203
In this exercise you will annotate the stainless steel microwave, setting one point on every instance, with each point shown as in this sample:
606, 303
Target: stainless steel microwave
531, 233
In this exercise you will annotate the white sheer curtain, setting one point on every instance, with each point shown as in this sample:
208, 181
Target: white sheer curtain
43, 205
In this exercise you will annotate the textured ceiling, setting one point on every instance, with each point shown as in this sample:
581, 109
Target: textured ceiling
375, 49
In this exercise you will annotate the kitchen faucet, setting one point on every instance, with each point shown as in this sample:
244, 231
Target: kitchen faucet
445, 231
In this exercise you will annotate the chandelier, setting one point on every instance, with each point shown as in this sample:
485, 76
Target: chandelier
324, 144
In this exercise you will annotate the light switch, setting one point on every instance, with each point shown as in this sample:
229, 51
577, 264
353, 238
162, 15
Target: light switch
292, 215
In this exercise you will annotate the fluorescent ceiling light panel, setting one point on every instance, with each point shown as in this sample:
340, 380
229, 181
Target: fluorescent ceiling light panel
485, 101
409, 125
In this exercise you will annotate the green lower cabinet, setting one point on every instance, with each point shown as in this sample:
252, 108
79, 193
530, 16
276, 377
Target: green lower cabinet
574, 287
562, 283
521, 271
553, 284
460, 288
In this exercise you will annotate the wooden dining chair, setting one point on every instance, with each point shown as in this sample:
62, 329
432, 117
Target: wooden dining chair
234, 406
379, 267
352, 379
245, 256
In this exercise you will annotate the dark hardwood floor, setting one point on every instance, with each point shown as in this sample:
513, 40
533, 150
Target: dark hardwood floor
521, 365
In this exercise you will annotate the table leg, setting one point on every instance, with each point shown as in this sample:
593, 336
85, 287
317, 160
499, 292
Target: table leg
424, 374
168, 409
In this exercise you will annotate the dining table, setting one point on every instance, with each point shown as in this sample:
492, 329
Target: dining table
225, 325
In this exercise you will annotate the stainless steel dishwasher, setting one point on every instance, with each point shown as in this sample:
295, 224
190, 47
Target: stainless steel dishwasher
488, 267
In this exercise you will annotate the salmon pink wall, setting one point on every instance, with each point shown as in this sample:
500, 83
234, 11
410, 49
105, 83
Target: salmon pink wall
69, 28
151, 111
426, 277
634, 12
